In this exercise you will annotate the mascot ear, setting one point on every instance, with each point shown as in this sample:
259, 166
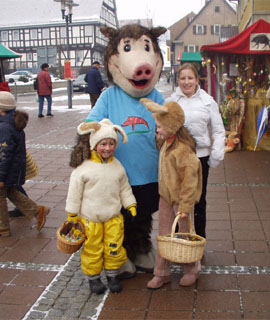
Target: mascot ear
108, 32
156, 32
122, 132
87, 127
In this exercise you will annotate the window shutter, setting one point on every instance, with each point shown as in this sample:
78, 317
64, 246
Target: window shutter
185, 48
212, 29
194, 29
205, 30
197, 48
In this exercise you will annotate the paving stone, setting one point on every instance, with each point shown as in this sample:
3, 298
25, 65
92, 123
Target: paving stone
36, 315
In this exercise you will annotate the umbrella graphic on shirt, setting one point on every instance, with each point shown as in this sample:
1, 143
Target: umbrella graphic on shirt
262, 123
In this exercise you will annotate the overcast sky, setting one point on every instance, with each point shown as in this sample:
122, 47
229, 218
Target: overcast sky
163, 12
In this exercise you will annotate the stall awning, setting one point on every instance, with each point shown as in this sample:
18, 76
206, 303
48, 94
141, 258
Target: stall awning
191, 57
6, 53
253, 40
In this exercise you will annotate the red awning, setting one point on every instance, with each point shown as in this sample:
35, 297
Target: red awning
253, 40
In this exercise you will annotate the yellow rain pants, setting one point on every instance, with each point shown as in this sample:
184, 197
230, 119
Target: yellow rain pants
103, 246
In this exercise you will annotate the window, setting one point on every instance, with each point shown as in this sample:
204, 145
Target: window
191, 48
33, 33
15, 35
79, 55
199, 29
63, 32
217, 8
216, 28
189, 19
76, 31
45, 33
88, 31
4, 36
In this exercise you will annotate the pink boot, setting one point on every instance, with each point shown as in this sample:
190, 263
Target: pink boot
191, 275
157, 282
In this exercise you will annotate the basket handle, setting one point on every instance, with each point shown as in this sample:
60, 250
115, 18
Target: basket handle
178, 217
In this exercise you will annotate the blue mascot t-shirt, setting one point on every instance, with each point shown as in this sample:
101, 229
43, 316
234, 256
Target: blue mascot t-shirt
140, 155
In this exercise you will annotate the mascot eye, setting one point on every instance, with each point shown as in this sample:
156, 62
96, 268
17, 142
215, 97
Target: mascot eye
127, 47
147, 48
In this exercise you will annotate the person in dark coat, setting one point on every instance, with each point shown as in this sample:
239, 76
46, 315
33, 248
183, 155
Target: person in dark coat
13, 165
95, 84
44, 90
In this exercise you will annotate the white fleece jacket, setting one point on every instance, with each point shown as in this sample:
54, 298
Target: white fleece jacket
97, 191
203, 120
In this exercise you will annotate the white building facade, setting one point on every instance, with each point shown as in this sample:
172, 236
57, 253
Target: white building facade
36, 30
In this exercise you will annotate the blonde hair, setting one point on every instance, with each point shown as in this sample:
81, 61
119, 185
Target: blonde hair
188, 66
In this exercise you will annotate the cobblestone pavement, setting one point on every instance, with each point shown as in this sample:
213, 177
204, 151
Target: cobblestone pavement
39, 282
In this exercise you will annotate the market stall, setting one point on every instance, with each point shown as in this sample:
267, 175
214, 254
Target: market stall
5, 53
238, 72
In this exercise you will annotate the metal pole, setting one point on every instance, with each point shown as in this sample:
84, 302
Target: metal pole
69, 84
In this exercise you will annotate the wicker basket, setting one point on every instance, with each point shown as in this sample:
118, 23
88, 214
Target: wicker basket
66, 246
31, 170
174, 247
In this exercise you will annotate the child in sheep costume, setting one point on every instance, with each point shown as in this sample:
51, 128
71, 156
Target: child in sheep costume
134, 62
98, 189
180, 183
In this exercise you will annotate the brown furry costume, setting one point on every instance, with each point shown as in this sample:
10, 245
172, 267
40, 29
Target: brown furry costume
180, 172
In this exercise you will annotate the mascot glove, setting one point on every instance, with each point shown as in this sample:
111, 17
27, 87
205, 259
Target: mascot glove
73, 218
132, 210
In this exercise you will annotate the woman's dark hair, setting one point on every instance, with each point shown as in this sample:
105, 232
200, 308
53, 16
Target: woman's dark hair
21, 119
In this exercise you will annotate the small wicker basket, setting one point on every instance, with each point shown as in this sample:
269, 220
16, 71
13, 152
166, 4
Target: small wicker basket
181, 247
66, 246
31, 170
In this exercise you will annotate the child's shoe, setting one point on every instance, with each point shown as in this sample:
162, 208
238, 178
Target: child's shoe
114, 284
157, 282
189, 279
5, 232
41, 217
97, 286
191, 275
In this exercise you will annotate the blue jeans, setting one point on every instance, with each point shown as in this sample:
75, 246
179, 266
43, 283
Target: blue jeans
41, 103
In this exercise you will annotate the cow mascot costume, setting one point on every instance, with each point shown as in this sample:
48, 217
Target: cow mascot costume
134, 62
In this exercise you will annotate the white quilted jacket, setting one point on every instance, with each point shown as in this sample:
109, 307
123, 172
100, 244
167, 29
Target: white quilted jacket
203, 120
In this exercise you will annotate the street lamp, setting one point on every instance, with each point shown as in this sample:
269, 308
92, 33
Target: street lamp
68, 19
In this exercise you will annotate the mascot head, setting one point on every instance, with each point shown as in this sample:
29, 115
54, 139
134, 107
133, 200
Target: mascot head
133, 58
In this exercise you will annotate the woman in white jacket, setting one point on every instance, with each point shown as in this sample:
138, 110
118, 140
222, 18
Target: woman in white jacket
203, 120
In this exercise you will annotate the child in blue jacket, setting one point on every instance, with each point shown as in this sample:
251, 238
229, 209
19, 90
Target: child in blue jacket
13, 165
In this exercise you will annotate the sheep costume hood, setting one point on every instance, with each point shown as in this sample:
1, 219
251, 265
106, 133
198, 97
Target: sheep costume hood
101, 130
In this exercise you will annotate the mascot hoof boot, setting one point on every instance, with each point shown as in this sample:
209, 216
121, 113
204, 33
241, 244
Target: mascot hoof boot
145, 262
114, 284
97, 286
128, 270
